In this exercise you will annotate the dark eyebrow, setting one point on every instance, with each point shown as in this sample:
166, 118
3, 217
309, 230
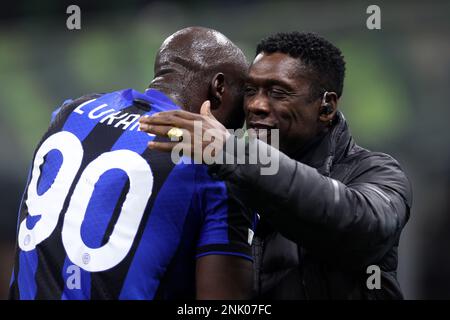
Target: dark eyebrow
269, 83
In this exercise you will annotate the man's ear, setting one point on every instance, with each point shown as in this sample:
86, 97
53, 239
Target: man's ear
217, 89
328, 107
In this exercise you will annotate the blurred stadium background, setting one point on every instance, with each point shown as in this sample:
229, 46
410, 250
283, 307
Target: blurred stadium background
395, 94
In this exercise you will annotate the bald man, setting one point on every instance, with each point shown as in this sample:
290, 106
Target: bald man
103, 217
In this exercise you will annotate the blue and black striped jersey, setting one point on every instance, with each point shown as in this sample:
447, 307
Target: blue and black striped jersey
104, 217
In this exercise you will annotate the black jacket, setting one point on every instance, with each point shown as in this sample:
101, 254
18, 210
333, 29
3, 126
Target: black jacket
325, 217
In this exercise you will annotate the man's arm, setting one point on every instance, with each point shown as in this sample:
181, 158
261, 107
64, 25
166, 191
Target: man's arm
224, 256
221, 277
353, 224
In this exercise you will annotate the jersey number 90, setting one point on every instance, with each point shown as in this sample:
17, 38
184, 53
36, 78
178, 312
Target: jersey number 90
50, 204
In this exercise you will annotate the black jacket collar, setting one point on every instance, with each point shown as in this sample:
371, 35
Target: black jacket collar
328, 148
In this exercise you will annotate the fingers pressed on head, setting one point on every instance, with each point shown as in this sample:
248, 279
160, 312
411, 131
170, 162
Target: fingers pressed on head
206, 108
167, 116
183, 114
162, 146
159, 130
168, 119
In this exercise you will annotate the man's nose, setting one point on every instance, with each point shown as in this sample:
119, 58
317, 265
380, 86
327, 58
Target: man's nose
259, 105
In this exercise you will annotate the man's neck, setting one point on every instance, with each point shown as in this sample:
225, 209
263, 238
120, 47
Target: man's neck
306, 151
170, 88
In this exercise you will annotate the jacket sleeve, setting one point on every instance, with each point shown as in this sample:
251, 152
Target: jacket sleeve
352, 224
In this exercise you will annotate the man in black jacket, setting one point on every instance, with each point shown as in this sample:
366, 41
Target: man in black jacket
332, 215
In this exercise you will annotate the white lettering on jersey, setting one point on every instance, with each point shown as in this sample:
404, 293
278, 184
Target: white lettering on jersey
127, 121
92, 114
109, 119
122, 237
49, 204
79, 108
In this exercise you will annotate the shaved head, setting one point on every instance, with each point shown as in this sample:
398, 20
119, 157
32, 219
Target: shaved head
191, 60
198, 49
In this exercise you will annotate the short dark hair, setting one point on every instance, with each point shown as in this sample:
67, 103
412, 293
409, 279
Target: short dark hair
323, 58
